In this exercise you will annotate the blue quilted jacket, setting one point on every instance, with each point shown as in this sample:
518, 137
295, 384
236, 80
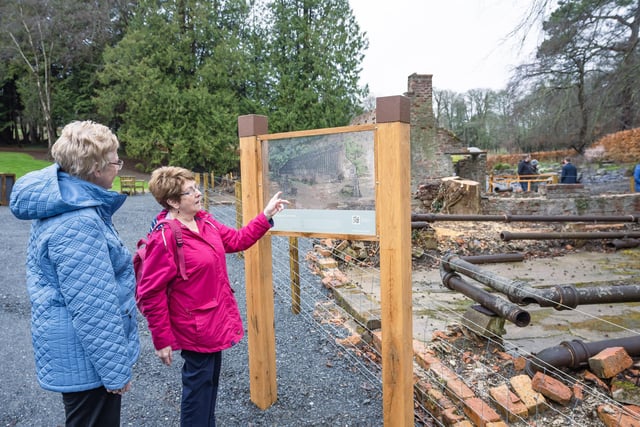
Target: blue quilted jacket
80, 281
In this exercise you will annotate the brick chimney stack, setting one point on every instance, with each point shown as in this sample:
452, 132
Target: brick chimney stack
420, 91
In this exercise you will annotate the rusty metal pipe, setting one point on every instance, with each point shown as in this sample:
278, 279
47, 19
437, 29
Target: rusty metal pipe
624, 243
499, 306
489, 259
508, 235
524, 218
517, 291
576, 353
419, 224
564, 297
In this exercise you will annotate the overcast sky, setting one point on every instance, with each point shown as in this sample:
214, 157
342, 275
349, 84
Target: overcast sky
464, 44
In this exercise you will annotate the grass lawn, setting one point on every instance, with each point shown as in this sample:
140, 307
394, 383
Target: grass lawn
19, 163
22, 163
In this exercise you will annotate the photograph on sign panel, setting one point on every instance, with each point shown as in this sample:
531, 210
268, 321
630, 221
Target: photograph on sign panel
334, 171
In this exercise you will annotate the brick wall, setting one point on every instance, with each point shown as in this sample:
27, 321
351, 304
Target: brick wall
429, 144
473, 167
516, 204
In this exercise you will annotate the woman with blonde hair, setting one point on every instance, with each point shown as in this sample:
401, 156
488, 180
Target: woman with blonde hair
197, 314
80, 276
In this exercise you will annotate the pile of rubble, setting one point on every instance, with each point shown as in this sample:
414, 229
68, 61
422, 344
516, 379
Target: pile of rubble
430, 243
469, 379
464, 379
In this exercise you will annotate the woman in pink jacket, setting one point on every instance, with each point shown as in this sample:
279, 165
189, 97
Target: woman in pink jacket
198, 316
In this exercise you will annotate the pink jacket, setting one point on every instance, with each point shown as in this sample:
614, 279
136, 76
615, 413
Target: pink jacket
200, 314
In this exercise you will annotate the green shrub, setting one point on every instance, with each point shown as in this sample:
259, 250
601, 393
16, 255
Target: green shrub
502, 166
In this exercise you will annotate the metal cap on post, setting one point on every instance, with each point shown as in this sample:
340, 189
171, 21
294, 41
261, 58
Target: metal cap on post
252, 125
393, 109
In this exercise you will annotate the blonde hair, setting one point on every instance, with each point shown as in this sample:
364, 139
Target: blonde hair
166, 183
82, 148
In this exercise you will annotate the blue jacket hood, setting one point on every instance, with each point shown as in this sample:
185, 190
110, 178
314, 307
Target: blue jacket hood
50, 191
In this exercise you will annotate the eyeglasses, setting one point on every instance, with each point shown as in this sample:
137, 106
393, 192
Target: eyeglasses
119, 164
190, 191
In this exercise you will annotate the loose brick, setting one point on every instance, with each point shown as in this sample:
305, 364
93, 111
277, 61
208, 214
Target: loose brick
322, 251
451, 416
327, 263
590, 376
497, 424
480, 412
431, 398
464, 423
507, 402
519, 363
632, 410
440, 400
459, 390
610, 362
534, 401
455, 387
551, 388
578, 392
424, 357
612, 416
438, 404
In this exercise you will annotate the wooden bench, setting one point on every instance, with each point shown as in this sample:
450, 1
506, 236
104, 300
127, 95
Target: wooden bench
6, 184
130, 185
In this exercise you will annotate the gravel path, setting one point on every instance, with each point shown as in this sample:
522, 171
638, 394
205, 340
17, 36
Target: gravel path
318, 383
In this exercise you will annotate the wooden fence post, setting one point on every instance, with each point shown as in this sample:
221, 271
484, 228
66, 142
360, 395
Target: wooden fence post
205, 189
294, 274
258, 267
393, 217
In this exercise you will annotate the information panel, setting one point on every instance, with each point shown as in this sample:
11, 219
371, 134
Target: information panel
329, 180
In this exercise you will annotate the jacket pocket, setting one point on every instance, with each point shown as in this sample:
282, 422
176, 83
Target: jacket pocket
204, 317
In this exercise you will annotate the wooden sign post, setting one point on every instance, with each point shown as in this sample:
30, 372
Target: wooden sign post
258, 267
393, 218
390, 224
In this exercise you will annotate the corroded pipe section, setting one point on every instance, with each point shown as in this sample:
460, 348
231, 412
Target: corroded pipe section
419, 224
524, 218
499, 306
624, 243
564, 297
489, 259
576, 353
580, 235
518, 292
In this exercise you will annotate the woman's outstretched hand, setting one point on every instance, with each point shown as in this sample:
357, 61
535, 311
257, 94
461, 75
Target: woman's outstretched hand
275, 205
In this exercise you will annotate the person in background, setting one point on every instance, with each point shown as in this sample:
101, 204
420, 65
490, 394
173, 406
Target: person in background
198, 316
569, 174
534, 166
80, 276
636, 178
525, 170
535, 172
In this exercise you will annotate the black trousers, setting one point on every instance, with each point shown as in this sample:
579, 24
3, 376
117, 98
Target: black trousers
92, 408
200, 378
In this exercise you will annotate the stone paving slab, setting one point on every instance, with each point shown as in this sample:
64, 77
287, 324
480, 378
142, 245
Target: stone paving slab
435, 306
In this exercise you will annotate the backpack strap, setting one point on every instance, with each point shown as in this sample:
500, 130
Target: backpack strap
177, 234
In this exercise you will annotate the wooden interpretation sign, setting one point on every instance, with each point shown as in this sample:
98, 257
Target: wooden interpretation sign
352, 183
